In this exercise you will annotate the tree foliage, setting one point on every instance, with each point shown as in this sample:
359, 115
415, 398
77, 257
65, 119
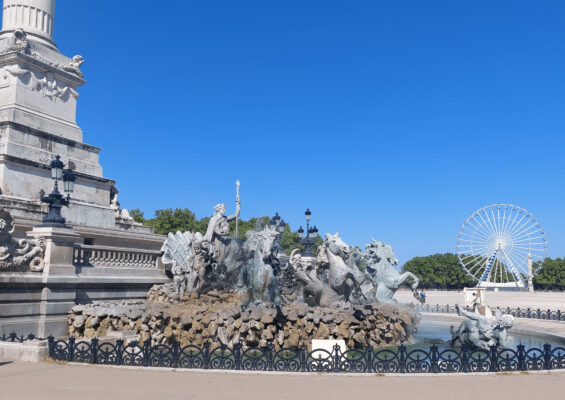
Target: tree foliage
439, 271
444, 271
137, 215
551, 275
169, 220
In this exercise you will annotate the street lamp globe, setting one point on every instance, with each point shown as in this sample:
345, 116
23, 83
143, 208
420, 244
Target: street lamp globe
300, 231
275, 221
57, 168
281, 226
313, 233
308, 214
69, 179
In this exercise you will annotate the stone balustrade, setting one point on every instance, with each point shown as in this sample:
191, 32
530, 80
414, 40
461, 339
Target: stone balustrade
106, 256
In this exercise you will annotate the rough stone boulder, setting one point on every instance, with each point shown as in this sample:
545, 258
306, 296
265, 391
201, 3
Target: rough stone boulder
220, 318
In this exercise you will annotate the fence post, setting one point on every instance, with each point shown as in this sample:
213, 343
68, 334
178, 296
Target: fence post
464, 358
94, 351
369, 358
51, 345
336, 358
529, 314
270, 356
206, 355
146, 352
237, 354
303, 355
71, 349
559, 315
548, 314
402, 359
547, 356
119, 351
493, 359
176, 354
434, 357
521, 357
538, 313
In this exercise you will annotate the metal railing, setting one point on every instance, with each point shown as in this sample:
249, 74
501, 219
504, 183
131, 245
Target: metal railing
368, 360
547, 314
107, 256
14, 338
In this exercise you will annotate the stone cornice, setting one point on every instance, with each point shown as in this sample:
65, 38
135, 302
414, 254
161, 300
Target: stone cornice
42, 63
50, 136
6, 159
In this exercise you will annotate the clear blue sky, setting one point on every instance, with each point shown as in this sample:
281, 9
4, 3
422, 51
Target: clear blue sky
388, 119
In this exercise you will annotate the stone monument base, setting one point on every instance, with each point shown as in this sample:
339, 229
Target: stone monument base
77, 273
30, 351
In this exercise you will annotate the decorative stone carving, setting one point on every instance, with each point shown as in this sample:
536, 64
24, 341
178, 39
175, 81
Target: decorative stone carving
188, 258
74, 65
18, 254
121, 213
114, 203
257, 271
479, 331
307, 275
380, 262
18, 42
217, 261
45, 83
224, 248
179, 280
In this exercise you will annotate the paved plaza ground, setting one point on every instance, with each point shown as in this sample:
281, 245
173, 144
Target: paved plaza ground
552, 300
24, 381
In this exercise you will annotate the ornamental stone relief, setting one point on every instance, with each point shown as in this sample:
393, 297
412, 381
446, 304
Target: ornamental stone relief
45, 83
19, 254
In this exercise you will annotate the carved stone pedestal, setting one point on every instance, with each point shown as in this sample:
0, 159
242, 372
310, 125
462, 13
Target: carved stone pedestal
36, 297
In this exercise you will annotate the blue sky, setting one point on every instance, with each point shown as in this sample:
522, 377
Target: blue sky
388, 119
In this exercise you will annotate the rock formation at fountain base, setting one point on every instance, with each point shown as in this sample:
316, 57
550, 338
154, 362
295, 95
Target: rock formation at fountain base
220, 318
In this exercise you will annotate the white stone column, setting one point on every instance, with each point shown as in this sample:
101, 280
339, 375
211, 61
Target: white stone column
35, 17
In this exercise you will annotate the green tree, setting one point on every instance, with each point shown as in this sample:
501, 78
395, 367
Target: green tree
551, 276
137, 215
290, 241
439, 271
170, 220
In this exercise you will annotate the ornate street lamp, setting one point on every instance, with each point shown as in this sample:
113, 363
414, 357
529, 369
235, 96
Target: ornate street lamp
275, 221
307, 242
281, 226
312, 233
55, 199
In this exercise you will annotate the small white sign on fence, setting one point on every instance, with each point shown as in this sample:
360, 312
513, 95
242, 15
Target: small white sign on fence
327, 345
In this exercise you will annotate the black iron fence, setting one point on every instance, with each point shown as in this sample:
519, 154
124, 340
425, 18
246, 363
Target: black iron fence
13, 337
369, 360
552, 315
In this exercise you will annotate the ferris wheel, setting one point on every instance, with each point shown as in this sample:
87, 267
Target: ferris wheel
502, 245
